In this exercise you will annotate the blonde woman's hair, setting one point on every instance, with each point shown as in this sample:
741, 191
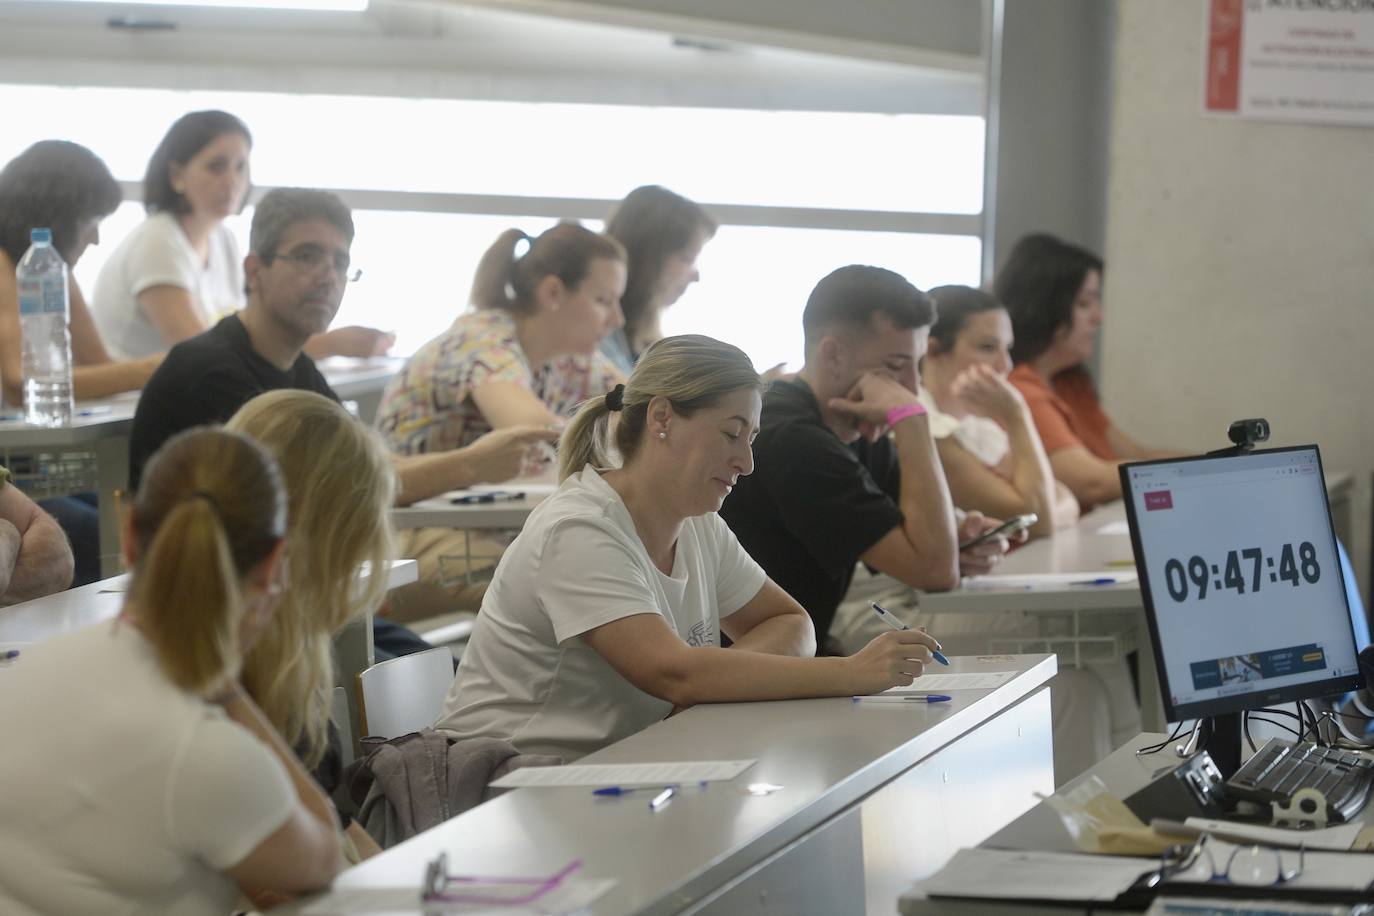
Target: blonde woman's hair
211, 507
691, 371
341, 487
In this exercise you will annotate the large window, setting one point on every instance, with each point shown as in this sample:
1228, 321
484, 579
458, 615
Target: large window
434, 180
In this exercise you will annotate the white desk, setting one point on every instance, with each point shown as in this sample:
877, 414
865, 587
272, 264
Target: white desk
91, 453
442, 512
874, 795
43, 618
94, 450
361, 380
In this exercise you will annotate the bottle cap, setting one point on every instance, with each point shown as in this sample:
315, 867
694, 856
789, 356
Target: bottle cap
40, 236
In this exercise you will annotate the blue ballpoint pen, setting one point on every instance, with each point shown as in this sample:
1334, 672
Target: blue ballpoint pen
626, 790
909, 698
1102, 581
891, 620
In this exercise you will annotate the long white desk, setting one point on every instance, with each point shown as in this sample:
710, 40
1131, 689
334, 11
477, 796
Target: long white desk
93, 452
43, 618
443, 512
873, 795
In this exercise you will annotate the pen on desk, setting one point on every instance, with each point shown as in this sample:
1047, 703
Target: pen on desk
9, 655
1105, 580
492, 496
891, 620
907, 698
626, 790
662, 798
95, 411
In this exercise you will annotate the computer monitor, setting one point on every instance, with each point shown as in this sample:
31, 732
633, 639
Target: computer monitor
1241, 580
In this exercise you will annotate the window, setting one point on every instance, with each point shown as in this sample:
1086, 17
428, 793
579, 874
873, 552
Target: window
799, 192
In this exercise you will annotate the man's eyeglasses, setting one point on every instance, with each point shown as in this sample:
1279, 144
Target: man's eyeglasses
311, 257
494, 891
1246, 866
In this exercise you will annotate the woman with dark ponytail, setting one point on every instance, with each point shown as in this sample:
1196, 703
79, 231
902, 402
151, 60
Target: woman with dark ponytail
606, 612
518, 363
150, 781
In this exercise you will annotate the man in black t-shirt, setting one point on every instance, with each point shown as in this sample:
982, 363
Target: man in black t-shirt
296, 269
829, 487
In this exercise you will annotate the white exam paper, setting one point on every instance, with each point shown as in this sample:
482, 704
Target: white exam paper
934, 683
1038, 581
625, 774
1117, 527
572, 895
1029, 875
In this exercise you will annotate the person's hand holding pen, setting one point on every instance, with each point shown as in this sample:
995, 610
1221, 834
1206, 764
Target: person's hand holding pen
893, 659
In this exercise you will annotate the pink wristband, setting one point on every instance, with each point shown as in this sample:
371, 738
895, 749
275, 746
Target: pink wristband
898, 414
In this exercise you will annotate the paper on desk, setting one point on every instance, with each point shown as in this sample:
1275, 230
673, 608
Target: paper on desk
625, 774
572, 895
1028, 875
982, 680
1034, 581
1340, 837
1117, 527
117, 585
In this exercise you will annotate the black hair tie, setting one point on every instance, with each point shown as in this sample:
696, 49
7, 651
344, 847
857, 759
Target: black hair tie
615, 401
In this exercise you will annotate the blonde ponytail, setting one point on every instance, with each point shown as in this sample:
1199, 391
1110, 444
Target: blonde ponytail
210, 509
585, 439
691, 370
187, 591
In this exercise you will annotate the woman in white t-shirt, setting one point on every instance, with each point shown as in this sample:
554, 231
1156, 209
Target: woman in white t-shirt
180, 271
605, 613
988, 445
139, 777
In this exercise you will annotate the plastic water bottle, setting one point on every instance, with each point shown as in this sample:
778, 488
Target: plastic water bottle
44, 310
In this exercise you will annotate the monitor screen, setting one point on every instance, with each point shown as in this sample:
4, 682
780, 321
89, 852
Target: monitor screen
1240, 580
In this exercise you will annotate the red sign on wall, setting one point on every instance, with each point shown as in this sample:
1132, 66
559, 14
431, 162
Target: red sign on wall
1224, 25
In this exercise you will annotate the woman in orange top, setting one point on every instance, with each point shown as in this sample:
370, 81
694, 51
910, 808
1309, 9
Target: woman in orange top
1053, 291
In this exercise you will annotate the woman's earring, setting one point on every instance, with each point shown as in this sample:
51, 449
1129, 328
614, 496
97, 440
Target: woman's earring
663, 435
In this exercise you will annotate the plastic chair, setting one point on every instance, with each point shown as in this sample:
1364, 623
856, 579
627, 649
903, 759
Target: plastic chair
405, 694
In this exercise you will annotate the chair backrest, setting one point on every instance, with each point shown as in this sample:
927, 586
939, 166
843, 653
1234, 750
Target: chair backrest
405, 694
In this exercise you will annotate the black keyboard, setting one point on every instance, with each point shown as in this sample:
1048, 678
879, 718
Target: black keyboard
1280, 768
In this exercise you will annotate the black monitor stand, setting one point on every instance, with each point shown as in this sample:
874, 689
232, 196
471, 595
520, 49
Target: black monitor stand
1219, 736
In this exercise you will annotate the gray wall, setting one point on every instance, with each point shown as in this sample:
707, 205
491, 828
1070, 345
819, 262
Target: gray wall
1052, 99
1240, 268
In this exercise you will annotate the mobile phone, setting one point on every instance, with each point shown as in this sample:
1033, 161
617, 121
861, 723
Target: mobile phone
1014, 525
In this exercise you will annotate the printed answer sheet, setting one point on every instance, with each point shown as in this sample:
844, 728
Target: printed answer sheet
935, 683
625, 774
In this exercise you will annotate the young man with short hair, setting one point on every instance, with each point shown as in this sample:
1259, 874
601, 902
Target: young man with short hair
830, 487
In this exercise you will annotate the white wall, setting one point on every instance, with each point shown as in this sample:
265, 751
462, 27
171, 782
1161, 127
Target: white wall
1240, 263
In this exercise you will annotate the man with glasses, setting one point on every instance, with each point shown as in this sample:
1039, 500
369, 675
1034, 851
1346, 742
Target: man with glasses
296, 269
